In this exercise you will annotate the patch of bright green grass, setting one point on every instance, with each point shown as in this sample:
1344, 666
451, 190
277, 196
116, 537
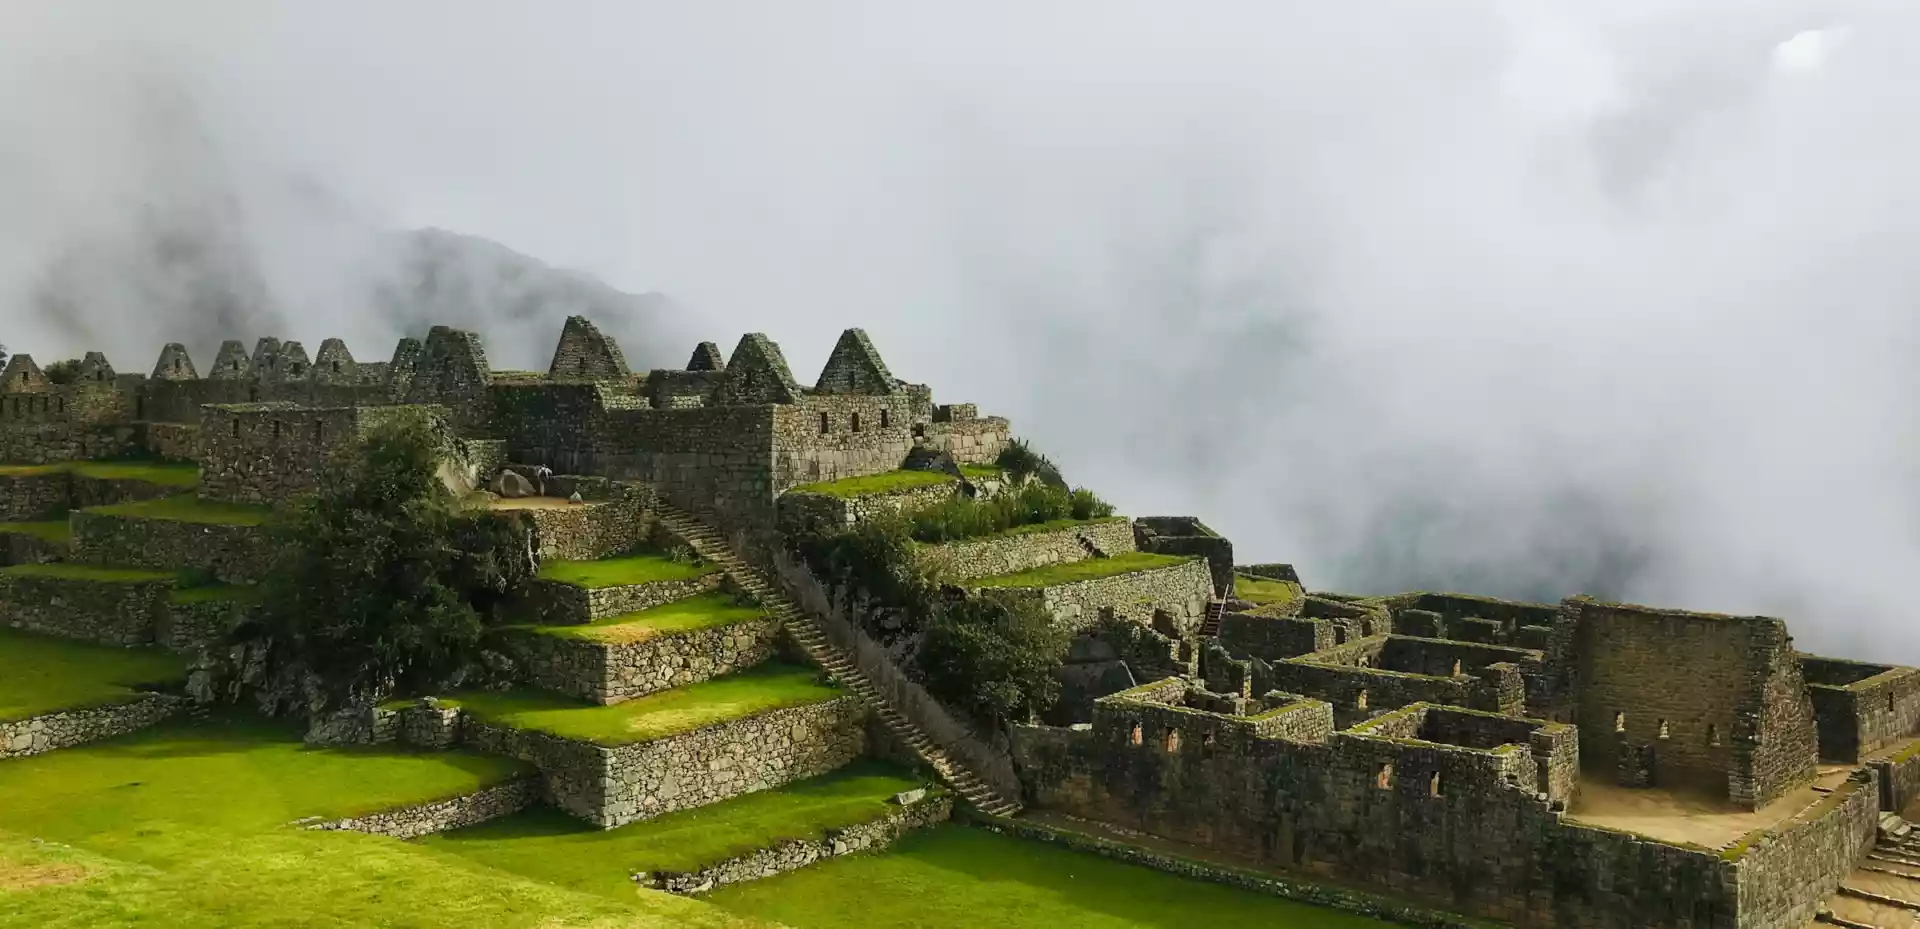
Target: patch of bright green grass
188, 508
876, 484
703, 612
57, 531
1264, 590
40, 674
24, 470
207, 593
184, 827
87, 572
1091, 569
551, 846
165, 473
670, 712
627, 569
958, 877
982, 472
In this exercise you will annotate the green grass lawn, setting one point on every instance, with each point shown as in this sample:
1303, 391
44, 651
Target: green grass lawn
876, 484
702, 612
40, 674
86, 572
188, 508
57, 531
618, 572
184, 827
1264, 590
669, 712
958, 877
551, 846
982, 472
1091, 569
152, 472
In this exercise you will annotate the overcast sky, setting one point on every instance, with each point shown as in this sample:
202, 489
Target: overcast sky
1518, 297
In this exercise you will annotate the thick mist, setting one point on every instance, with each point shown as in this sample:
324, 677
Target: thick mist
1520, 298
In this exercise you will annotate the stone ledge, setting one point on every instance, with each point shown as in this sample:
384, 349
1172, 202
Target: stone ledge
410, 822
67, 728
793, 854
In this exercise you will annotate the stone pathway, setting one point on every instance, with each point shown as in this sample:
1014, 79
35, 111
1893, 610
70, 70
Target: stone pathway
806, 630
1884, 891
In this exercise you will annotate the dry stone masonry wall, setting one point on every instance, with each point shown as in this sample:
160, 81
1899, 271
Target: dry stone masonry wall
614, 672
67, 728
793, 854
1020, 551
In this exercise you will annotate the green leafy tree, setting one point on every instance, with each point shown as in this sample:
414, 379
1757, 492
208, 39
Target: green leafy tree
65, 371
374, 586
995, 659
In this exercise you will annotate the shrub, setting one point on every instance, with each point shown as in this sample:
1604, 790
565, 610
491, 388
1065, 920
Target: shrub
1034, 503
63, 372
994, 659
1020, 462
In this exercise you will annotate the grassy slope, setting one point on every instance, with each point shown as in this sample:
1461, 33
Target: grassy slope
52, 530
1263, 590
551, 846
39, 674
183, 827
703, 612
952, 877
876, 484
670, 712
188, 508
152, 472
1087, 570
210, 592
627, 569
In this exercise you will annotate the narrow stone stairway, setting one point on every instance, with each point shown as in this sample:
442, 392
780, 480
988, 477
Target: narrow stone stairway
805, 629
1216, 610
1883, 892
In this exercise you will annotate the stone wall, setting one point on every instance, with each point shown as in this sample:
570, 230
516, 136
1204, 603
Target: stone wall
111, 613
1358, 693
1273, 638
1186, 535
611, 787
1719, 699
1020, 551
969, 441
1785, 873
792, 854
268, 452
196, 624
171, 441
236, 554
557, 602
1180, 592
829, 438
596, 529
1861, 708
1898, 775
22, 737
607, 672
53, 442
33, 496
442, 815
801, 513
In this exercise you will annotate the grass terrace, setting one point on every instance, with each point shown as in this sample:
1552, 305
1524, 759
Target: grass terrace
82, 572
550, 846
706, 611
890, 482
184, 826
1264, 590
40, 674
763, 689
982, 472
957, 877
208, 593
165, 473
188, 508
646, 568
1088, 570
57, 531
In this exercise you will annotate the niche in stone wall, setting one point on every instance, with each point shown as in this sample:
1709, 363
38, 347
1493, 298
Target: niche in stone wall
1360, 700
1663, 730
1383, 778
885, 421
1135, 736
853, 421
1713, 735
1173, 741
1433, 785
1619, 722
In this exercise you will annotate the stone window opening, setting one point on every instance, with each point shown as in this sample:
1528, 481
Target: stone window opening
336, 367
236, 428
1619, 722
885, 420
826, 424
1456, 668
276, 429
176, 366
319, 431
1433, 785
1713, 734
99, 375
1360, 700
1173, 741
1663, 730
1135, 736
1383, 778
1207, 739
1366, 662
234, 364
854, 421
580, 366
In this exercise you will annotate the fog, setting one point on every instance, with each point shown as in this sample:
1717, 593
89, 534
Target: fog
1522, 298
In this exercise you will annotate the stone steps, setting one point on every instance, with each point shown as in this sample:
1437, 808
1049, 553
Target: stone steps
806, 631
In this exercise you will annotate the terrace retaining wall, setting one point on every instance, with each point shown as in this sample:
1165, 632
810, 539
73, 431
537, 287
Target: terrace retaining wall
563, 603
67, 728
1021, 551
108, 612
613, 672
236, 554
793, 854
441, 815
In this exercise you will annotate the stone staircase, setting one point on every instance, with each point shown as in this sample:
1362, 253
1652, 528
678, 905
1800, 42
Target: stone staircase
1210, 624
1883, 892
805, 629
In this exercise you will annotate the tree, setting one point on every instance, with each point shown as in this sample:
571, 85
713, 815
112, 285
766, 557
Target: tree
994, 658
371, 593
63, 372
